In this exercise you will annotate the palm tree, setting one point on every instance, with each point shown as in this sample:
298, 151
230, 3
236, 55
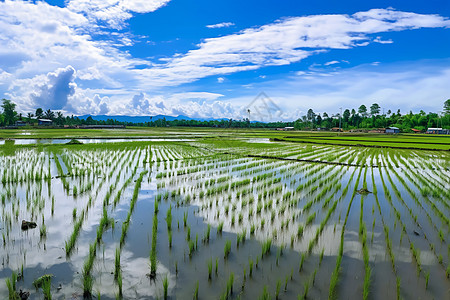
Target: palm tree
49, 114
59, 117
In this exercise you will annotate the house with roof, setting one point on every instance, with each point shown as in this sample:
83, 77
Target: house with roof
45, 122
392, 130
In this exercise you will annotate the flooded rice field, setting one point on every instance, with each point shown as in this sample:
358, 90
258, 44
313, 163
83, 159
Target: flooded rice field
187, 220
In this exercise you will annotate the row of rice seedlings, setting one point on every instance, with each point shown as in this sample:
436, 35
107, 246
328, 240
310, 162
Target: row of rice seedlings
70, 243
153, 262
420, 206
126, 223
330, 211
25, 166
415, 252
387, 238
363, 237
88, 280
335, 275
105, 222
443, 217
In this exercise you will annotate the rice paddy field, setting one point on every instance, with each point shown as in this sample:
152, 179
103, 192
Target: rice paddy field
217, 218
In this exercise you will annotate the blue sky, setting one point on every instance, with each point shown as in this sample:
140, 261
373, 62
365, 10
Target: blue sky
213, 58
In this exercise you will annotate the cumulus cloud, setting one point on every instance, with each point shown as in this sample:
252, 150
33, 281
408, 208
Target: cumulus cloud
56, 89
39, 41
220, 25
140, 103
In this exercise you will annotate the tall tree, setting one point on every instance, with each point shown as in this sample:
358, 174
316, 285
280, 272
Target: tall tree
374, 109
346, 115
49, 114
310, 115
447, 107
362, 110
39, 113
9, 112
59, 118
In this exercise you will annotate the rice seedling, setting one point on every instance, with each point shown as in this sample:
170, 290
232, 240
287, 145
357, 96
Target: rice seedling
305, 290
302, 261
313, 277
279, 253
321, 257
265, 294
153, 262
188, 234
216, 270
230, 284
165, 286
169, 218
191, 246
241, 238
117, 263
43, 231
11, 285
427, 277
366, 285
310, 218
265, 247
398, 287
227, 249
277, 291
46, 287
119, 284
207, 234
88, 282
196, 291
209, 269
299, 231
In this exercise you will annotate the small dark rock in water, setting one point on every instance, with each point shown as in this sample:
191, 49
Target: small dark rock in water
28, 225
363, 191
24, 295
416, 233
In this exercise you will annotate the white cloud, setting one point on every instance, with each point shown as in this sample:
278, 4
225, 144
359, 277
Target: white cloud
333, 62
220, 79
381, 41
56, 89
412, 86
38, 43
284, 42
220, 25
114, 12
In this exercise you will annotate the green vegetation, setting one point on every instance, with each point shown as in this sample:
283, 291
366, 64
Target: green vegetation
280, 193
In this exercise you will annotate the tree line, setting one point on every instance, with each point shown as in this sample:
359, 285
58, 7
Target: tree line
362, 118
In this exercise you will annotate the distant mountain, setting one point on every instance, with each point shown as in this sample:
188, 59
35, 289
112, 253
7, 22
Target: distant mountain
142, 119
